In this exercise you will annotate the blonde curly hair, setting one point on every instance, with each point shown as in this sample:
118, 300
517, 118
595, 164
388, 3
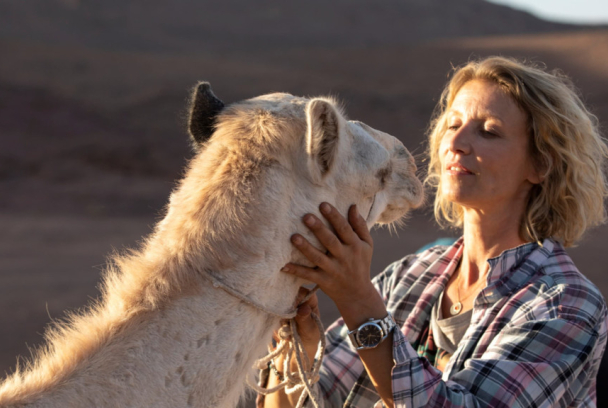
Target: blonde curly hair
566, 146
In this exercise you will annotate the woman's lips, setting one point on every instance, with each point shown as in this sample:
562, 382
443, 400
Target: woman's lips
458, 170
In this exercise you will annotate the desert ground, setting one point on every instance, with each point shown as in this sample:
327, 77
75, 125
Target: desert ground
94, 139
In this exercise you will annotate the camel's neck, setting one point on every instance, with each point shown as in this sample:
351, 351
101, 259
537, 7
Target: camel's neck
151, 343
194, 352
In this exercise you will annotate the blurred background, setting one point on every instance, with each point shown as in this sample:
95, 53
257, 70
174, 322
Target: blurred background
93, 97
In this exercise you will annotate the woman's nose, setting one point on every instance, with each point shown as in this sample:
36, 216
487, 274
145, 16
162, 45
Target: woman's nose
459, 140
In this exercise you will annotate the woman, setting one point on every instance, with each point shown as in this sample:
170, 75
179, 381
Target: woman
502, 318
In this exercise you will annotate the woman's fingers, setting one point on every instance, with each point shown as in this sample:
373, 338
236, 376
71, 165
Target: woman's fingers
310, 274
312, 301
339, 223
302, 293
315, 256
307, 328
359, 225
325, 236
342, 266
348, 232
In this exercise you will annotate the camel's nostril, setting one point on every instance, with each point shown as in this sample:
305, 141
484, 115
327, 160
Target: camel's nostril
413, 166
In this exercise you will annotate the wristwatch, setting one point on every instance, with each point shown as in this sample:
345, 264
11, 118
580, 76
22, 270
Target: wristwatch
371, 333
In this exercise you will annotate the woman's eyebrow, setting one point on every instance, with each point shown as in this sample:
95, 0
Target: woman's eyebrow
479, 115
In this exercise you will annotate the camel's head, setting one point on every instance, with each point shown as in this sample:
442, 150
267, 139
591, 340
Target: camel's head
283, 155
355, 164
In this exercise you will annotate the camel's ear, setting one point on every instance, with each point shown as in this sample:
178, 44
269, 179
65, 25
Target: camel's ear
324, 124
204, 107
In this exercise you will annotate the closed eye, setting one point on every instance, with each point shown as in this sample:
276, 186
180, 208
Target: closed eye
383, 174
489, 133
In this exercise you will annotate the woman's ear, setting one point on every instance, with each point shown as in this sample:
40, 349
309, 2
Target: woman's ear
539, 169
535, 176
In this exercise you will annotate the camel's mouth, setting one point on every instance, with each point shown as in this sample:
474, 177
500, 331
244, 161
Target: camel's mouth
383, 210
371, 207
415, 196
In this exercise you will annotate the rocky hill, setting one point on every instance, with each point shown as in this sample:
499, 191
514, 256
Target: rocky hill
236, 25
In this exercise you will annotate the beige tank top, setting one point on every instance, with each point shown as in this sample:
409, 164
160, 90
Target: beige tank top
447, 333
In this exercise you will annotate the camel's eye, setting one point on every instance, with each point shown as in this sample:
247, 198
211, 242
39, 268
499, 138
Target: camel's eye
383, 175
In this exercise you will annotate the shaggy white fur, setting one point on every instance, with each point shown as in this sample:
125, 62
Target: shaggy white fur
163, 336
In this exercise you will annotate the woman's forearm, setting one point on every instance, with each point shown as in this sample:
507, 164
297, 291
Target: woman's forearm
378, 361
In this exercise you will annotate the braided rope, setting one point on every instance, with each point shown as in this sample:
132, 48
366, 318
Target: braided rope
290, 345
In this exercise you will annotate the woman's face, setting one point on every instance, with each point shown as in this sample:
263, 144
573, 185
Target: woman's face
485, 161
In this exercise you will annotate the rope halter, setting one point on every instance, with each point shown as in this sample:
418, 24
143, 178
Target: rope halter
290, 345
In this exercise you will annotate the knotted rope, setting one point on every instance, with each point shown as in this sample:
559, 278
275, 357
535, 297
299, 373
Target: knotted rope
290, 345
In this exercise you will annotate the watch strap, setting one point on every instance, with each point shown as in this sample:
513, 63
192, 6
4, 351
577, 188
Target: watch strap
386, 324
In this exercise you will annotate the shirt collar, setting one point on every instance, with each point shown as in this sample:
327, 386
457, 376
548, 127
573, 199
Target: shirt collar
513, 268
510, 270
509, 259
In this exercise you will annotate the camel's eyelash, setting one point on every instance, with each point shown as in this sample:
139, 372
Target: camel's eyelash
383, 174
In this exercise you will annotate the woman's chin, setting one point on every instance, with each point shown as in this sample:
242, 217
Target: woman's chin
456, 196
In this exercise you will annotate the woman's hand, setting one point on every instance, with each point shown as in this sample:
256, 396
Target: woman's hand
343, 273
310, 336
307, 328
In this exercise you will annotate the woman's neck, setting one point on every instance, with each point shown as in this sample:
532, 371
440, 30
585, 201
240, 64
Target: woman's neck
486, 237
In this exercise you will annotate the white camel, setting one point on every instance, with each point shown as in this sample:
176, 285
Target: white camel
161, 334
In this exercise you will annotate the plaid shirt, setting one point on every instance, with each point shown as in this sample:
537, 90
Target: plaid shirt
537, 335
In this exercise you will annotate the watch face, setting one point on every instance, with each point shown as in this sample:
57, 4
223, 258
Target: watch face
369, 335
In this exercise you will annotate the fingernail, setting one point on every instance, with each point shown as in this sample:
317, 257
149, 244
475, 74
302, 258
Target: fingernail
325, 208
297, 240
309, 220
285, 269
